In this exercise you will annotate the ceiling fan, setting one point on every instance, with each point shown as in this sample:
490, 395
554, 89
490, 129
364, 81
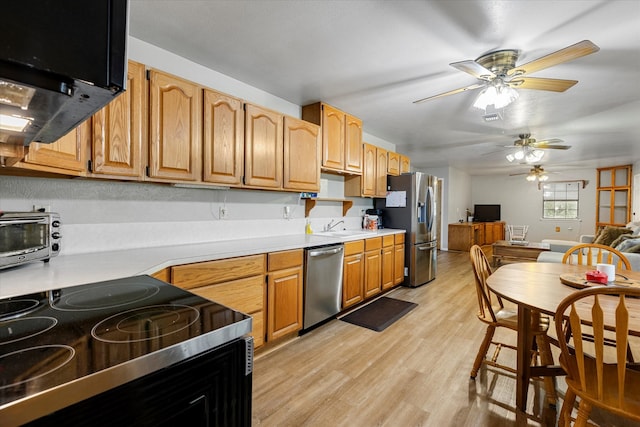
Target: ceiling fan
498, 74
537, 173
530, 150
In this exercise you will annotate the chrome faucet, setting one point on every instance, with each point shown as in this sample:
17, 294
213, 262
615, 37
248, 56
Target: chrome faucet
331, 225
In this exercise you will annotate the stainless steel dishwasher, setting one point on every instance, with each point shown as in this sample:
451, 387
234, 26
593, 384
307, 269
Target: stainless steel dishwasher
322, 283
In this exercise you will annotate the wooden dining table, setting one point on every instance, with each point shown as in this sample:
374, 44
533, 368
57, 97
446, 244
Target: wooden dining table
536, 286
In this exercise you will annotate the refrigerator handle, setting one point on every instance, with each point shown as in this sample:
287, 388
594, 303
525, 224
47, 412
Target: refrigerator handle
431, 200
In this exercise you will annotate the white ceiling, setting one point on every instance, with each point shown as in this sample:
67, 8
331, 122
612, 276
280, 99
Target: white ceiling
373, 58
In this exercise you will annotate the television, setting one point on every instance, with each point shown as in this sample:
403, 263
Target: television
486, 213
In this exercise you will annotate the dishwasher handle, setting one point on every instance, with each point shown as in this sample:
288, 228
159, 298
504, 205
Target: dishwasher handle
329, 251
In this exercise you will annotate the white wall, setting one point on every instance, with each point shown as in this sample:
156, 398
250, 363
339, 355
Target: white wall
521, 204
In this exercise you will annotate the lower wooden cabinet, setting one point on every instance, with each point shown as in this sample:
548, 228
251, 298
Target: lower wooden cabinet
398, 259
353, 273
372, 267
388, 258
238, 283
284, 293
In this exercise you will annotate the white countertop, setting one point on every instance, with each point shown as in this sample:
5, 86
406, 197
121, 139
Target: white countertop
77, 269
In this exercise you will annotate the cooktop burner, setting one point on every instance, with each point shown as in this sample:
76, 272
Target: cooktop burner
108, 296
59, 344
145, 323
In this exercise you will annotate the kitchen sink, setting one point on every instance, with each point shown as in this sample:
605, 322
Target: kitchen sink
344, 233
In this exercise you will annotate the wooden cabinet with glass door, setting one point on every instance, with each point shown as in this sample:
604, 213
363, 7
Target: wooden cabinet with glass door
613, 196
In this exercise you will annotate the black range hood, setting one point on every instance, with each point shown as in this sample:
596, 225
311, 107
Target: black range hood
60, 62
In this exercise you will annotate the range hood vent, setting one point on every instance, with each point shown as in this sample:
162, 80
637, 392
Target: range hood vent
60, 62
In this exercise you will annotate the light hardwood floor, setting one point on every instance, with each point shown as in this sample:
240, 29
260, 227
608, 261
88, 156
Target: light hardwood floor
414, 373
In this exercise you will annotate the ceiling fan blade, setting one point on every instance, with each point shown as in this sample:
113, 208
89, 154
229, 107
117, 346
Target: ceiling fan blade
578, 50
451, 92
543, 146
475, 69
553, 85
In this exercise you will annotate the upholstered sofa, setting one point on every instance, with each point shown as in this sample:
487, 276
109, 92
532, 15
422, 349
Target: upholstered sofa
625, 239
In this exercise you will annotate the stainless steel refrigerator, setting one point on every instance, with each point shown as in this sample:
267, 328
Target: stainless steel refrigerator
411, 205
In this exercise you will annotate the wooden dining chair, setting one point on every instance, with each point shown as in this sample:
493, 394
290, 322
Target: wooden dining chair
583, 254
492, 312
598, 375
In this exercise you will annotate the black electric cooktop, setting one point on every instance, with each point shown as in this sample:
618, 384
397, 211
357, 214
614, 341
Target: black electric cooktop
69, 344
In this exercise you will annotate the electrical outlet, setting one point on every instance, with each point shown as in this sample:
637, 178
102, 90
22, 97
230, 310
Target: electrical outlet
287, 212
222, 212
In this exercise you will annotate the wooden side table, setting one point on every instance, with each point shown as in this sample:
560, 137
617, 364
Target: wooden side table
504, 252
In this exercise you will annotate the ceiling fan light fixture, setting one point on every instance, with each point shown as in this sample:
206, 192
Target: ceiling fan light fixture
531, 177
534, 156
497, 93
510, 157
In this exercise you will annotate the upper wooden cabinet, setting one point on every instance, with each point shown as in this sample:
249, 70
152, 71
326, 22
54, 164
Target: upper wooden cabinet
613, 196
373, 181
341, 138
263, 147
393, 163
405, 164
120, 130
223, 139
175, 128
67, 156
302, 155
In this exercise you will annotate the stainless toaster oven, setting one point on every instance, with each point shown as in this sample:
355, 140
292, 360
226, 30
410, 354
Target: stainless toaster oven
28, 236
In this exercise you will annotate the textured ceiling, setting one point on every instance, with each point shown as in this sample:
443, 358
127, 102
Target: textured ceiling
373, 58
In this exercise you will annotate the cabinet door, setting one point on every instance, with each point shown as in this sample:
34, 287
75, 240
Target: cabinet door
352, 280
405, 164
333, 138
393, 163
120, 129
302, 155
368, 180
381, 172
263, 147
223, 139
68, 155
388, 261
353, 144
372, 273
284, 308
398, 264
175, 128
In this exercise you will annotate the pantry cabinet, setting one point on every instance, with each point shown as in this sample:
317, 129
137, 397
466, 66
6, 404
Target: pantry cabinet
67, 156
263, 147
238, 283
175, 128
120, 130
353, 274
284, 293
223, 139
302, 155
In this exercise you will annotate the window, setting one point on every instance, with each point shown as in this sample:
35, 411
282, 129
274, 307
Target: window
560, 200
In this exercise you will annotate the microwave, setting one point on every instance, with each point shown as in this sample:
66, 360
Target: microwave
28, 236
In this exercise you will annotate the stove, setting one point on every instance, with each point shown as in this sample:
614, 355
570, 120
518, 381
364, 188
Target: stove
61, 347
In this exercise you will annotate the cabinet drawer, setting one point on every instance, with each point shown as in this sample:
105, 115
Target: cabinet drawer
284, 259
355, 247
207, 273
372, 244
399, 238
245, 295
387, 240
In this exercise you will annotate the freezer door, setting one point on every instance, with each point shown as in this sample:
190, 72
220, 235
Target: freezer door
423, 263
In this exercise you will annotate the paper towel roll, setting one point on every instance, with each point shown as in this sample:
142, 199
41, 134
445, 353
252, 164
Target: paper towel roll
609, 270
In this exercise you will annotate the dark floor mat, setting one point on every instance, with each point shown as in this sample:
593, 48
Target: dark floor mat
379, 314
